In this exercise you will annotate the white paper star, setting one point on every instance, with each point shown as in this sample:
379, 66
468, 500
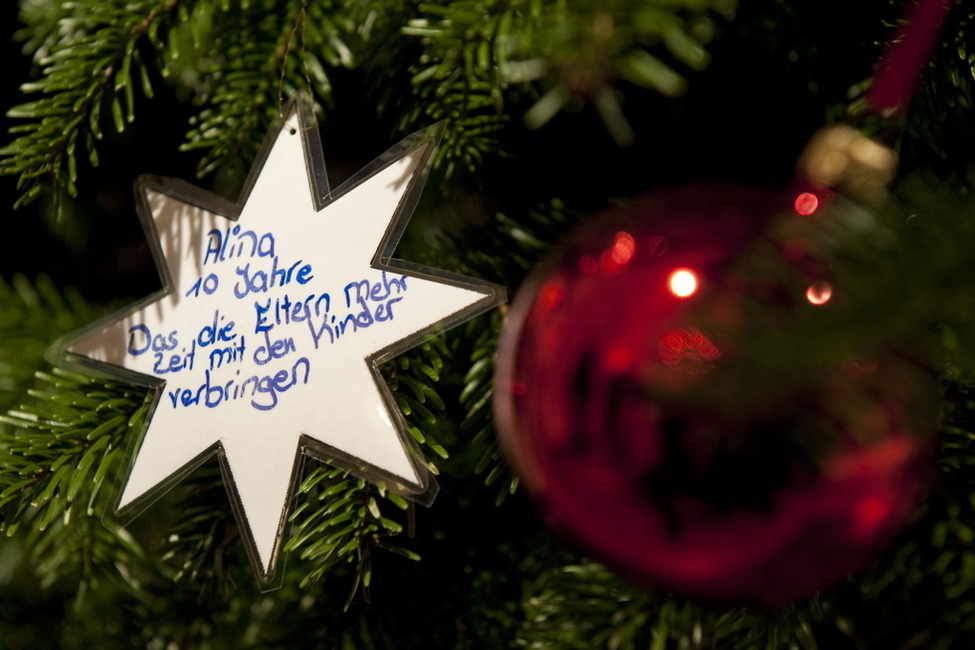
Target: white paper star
275, 313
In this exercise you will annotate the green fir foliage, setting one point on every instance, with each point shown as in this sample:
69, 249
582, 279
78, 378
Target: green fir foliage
507, 253
32, 316
241, 60
59, 454
92, 68
475, 54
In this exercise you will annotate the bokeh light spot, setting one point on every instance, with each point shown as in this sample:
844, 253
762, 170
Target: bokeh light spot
806, 203
819, 293
683, 283
623, 248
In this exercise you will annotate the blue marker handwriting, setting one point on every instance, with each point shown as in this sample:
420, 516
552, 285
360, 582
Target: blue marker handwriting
247, 264
285, 310
170, 357
374, 304
262, 389
235, 242
259, 280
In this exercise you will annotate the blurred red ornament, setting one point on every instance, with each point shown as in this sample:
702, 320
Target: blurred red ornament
639, 420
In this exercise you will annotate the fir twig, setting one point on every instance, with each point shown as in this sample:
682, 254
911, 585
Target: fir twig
476, 53
57, 457
32, 316
339, 519
587, 606
345, 527
94, 65
510, 249
203, 544
242, 64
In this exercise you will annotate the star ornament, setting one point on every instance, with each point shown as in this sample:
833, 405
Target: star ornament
265, 342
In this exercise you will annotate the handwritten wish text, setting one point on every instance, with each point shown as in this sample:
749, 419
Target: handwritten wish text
262, 320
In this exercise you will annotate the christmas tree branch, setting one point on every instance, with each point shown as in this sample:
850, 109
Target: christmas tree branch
339, 518
245, 66
32, 316
90, 67
57, 457
202, 544
507, 251
477, 52
346, 526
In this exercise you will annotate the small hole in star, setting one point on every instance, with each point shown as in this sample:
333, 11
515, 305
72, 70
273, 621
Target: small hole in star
293, 131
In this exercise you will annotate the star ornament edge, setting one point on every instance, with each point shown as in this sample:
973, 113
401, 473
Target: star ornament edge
267, 568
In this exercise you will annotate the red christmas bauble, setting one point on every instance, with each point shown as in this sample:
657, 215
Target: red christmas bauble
635, 411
